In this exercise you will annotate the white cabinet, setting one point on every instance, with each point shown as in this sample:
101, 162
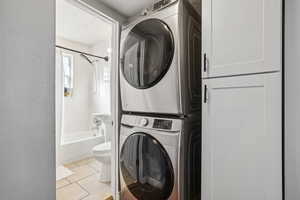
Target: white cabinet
242, 149
241, 36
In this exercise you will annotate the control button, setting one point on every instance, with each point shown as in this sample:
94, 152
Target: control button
144, 122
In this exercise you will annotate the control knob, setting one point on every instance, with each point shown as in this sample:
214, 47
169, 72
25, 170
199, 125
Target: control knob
144, 122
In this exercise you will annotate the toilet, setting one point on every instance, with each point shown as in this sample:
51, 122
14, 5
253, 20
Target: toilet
102, 153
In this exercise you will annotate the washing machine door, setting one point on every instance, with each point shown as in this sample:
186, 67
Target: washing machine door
147, 53
146, 169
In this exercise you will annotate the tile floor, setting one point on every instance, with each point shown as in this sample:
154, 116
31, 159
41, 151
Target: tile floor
83, 184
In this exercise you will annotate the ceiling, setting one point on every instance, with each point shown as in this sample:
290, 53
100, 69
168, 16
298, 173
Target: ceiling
77, 25
128, 8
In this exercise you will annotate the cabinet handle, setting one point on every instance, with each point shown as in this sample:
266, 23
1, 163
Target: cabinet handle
205, 93
205, 63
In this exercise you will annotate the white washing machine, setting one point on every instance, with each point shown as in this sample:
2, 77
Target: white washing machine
160, 158
161, 61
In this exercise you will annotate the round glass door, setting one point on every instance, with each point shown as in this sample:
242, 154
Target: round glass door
146, 168
147, 53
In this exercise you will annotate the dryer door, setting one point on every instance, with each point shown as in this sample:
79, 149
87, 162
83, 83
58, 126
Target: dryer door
146, 169
147, 53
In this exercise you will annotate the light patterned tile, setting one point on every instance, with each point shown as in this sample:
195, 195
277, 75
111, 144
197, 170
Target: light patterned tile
94, 187
71, 192
84, 161
96, 197
95, 165
71, 165
109, 198
80, 173
61, 183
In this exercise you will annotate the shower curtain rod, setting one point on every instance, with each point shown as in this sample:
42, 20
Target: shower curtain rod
87, 54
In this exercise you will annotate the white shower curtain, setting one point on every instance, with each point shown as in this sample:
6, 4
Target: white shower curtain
97, 77
101, 88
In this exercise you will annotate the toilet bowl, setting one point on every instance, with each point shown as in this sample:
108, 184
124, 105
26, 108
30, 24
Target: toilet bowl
102, 153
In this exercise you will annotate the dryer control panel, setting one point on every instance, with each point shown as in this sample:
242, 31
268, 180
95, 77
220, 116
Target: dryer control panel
160, 4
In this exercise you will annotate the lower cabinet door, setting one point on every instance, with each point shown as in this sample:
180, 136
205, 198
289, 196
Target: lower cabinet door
242, 138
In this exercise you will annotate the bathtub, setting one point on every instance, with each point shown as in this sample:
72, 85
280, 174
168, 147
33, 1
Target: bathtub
80, 136
77, 146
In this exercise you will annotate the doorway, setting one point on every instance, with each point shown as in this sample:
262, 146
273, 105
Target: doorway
86, 105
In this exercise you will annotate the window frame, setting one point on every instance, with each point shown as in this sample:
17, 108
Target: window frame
71, 77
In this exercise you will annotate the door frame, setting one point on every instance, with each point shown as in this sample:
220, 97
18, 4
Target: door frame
115, 92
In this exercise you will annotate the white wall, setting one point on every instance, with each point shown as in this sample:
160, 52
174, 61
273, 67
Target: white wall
292, 76
27, 140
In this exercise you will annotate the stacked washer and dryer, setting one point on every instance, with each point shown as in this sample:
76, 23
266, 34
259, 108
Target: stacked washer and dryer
160, 80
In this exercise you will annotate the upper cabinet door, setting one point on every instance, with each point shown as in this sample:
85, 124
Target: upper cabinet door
241, 37
241, 138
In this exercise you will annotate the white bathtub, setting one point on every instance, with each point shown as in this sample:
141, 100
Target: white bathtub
70, 138
76, 146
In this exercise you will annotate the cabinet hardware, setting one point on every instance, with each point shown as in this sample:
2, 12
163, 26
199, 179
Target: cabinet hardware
205, 93
205, 63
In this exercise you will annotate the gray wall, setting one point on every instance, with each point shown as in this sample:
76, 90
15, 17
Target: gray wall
292, 68
27, 140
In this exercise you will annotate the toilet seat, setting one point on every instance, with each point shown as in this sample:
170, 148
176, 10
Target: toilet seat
104, 148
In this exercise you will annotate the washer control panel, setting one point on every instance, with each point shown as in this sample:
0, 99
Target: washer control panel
162, 124
154, 123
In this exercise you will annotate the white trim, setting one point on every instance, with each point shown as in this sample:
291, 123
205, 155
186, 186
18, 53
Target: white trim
117, 103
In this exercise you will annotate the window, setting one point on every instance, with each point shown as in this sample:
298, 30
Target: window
67, 61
